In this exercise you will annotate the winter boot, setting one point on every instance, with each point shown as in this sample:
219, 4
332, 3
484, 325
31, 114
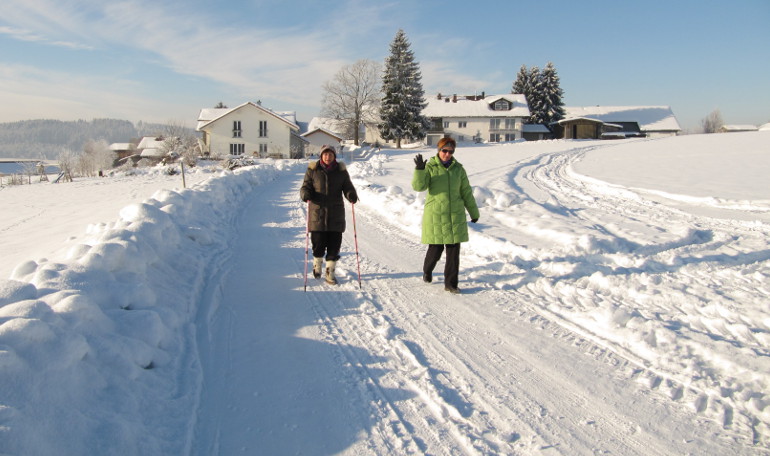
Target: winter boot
317, 265
330, 279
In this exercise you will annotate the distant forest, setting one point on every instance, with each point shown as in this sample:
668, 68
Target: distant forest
46, 139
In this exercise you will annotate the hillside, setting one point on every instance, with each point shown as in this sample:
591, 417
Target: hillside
47, 138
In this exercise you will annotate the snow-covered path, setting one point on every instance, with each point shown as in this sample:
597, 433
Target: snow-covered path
271, 385
400, 366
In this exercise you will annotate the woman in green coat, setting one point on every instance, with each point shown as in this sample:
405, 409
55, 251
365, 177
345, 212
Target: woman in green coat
444, 225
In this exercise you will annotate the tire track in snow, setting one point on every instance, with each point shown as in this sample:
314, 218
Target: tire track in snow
687, 260
454, 376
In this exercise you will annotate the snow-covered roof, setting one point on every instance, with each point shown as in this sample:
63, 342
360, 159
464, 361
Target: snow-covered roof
649, 118
764, 127
738, 128
150, 142
151, 147
121, 146
328, 124
291, 116
323, 130
474, 106
209, 115
535, 128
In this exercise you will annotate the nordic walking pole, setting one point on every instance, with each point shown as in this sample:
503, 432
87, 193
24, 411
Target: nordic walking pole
307, 240
355, 238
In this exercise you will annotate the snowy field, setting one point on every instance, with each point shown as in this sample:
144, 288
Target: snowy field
615, 301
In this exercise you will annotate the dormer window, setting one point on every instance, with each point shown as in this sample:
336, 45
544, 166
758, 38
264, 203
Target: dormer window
501, 105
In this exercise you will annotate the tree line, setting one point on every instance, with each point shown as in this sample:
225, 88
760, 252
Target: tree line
48, 139
393, 102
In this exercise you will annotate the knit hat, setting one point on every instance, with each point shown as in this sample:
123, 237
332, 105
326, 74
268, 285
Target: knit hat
324, 148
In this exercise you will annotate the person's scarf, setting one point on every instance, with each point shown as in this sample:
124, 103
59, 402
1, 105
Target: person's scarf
330, 167
445, 163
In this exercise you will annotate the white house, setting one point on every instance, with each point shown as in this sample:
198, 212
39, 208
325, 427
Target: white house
476, 118
250, 129
151, 148
318, 137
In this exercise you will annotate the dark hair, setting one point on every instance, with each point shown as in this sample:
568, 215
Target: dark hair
447, 140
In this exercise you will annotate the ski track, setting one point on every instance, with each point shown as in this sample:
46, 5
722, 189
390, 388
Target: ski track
484, 372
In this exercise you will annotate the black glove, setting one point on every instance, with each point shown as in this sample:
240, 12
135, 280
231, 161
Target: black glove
419, 163
474, 220
353, 198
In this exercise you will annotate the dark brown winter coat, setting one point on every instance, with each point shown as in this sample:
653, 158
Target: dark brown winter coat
324, 189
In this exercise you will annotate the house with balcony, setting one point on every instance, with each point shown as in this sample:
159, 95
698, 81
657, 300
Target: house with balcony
476, 118
250, 130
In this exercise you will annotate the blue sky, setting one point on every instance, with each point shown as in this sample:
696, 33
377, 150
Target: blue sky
163, 61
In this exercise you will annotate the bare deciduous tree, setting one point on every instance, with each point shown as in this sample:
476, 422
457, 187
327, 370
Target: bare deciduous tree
181, 143
67, 160
713, 122
353, 96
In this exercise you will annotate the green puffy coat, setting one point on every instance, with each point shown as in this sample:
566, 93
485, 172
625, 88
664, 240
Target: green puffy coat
449, 195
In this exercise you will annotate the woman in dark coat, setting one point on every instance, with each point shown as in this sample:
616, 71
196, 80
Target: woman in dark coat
325, 183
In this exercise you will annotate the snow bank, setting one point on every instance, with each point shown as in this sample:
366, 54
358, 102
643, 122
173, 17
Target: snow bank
99, 344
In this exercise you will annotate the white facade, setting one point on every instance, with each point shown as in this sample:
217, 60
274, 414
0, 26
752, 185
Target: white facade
249, 130
476, 118
321, 137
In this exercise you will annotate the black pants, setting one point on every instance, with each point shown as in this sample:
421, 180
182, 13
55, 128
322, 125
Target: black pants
452, 265
326, 242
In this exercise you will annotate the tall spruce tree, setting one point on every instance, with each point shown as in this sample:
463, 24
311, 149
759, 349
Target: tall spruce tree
403, 95
552, 108
535, 96
521, 84
543, 93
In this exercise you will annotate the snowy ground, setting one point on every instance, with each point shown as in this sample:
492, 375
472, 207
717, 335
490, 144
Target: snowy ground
615, 300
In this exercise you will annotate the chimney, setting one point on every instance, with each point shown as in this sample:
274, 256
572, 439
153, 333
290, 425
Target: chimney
454, 98
439, 96
482, 95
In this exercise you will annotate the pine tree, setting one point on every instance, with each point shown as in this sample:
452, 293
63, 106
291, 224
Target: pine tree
402, 101
552, 104
543, 93
535, 95
521, 84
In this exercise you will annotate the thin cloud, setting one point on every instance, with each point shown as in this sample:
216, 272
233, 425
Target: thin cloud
67, 96
285, 64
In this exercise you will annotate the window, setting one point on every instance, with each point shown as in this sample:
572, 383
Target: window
262, 128
462, 124
446, 124
461, 138
494, 137
262, 149
494, 124
510, 124
501, 105
237, 149
510, 137
236, 129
